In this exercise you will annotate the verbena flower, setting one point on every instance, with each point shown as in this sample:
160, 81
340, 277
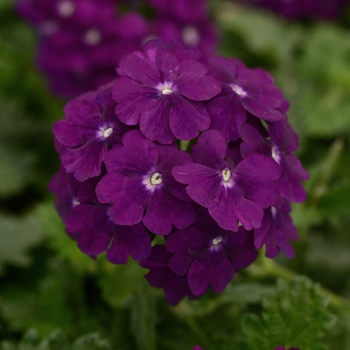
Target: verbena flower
88, 130
164, 94
89, 223
209, 255
233, 193
82, 41
280, 145
276, 231
244, 91
128, 173
161, 276
301, 9
140, 186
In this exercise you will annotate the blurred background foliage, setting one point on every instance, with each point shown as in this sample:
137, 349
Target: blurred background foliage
54, 297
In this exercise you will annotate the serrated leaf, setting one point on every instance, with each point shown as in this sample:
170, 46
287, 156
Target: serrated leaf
294, 315
57, 340
17, 235
91, 342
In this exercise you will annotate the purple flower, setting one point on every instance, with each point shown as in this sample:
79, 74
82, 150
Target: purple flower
140, 186
208, 254
185, 10
197, 347
88, 221
188, 20
82, 41
161, 276
163, 95
282, 141
283, 348
202, 34
232, 192
300, 9
88, 130
276, 231
244, 90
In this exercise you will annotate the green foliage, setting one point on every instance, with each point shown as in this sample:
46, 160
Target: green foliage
119, 283
143, 319
58, 238
47, 283
17, 235
294, 315
263, 34
57, 340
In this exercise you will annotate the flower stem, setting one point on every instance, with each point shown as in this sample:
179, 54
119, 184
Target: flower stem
267, 267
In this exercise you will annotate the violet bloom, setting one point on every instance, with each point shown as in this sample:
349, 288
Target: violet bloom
282, 141
69, 193
197, 347
276, 231
140, 186
88, 130
301, 9
188, 20
244, 90
283, 348
202, 34
194, 10
88, 222
208, 254
232, 192
163, 95
161, 276
82, 41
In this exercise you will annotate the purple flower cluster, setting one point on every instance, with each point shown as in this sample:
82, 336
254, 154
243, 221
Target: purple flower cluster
198, 156
82, 41
300, 9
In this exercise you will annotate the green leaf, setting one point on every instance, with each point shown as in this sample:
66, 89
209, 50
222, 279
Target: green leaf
58, 238
324, 89
262, 32
91, 342
17, 235
336, 200
143, 319
57, 340
294, 315
119, 283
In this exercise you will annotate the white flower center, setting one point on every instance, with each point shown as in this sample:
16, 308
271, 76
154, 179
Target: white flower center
273, 212
92, 37
226, 174
190, 36
66, 8
238, 90
165, 88
156, 178
217, 240
167, 91
104, 132
75, 202
275, 155
107, 132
